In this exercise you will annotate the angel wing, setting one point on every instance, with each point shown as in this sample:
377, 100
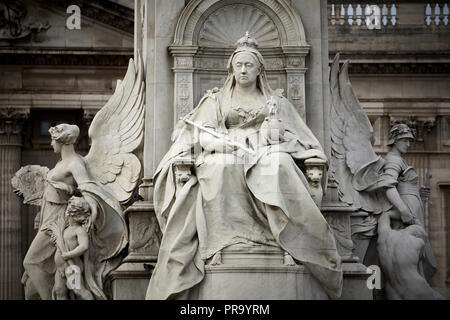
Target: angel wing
351, 142
116, 131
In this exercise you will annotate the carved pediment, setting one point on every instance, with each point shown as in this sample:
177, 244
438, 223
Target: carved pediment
40, 23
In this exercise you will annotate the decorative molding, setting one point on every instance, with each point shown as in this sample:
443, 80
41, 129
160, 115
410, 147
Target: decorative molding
283, 16
184, 62
223, 27
296, 91
184, 95
11, 121
274, 63
98, 60
399, 68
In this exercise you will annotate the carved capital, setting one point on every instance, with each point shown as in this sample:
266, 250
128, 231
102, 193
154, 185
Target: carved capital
419, 125
11, 121
184, 62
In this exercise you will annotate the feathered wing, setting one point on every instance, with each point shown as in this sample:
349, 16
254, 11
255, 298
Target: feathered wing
116, 131
351, 142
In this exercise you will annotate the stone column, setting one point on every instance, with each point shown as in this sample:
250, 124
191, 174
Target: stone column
158, 29
184, 79
314, 17
295, 71
11, 270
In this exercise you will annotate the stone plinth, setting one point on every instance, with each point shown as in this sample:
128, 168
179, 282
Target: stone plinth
264, 273
355, 282
130, 280
257, 273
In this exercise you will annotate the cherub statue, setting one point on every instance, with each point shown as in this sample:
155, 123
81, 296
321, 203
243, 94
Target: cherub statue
72, 242
373, 185
106, 178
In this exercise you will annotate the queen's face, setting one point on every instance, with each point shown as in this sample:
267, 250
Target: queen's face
403, 144
56, 146
245, 69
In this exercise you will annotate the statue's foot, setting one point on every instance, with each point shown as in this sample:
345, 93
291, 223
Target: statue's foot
216, 259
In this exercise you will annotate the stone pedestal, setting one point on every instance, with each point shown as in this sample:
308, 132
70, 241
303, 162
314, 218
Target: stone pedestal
257, 273
11, 121
130, 280
264, 273
355, 282
338, 215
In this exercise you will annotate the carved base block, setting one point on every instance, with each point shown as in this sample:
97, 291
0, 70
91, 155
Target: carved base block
258, 273
144, 233
355, 282
244, 275
130, 281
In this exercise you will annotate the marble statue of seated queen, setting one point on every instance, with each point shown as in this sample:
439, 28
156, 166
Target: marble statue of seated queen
235, 177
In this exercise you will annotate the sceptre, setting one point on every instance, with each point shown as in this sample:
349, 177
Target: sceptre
219, 135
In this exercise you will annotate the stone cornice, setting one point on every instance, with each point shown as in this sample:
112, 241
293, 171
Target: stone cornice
395, 63
399, 68
103, 11
66, 59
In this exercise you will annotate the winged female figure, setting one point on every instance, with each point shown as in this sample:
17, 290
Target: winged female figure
105, 178
376, 187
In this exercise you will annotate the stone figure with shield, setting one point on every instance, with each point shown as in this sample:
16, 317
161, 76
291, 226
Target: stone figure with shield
386, 190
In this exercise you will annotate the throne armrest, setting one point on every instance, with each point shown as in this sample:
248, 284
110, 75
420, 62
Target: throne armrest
315, 168
182, 169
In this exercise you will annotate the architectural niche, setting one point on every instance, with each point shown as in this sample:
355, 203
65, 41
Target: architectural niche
205, 36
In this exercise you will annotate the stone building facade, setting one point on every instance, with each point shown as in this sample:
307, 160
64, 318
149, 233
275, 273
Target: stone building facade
50, 74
